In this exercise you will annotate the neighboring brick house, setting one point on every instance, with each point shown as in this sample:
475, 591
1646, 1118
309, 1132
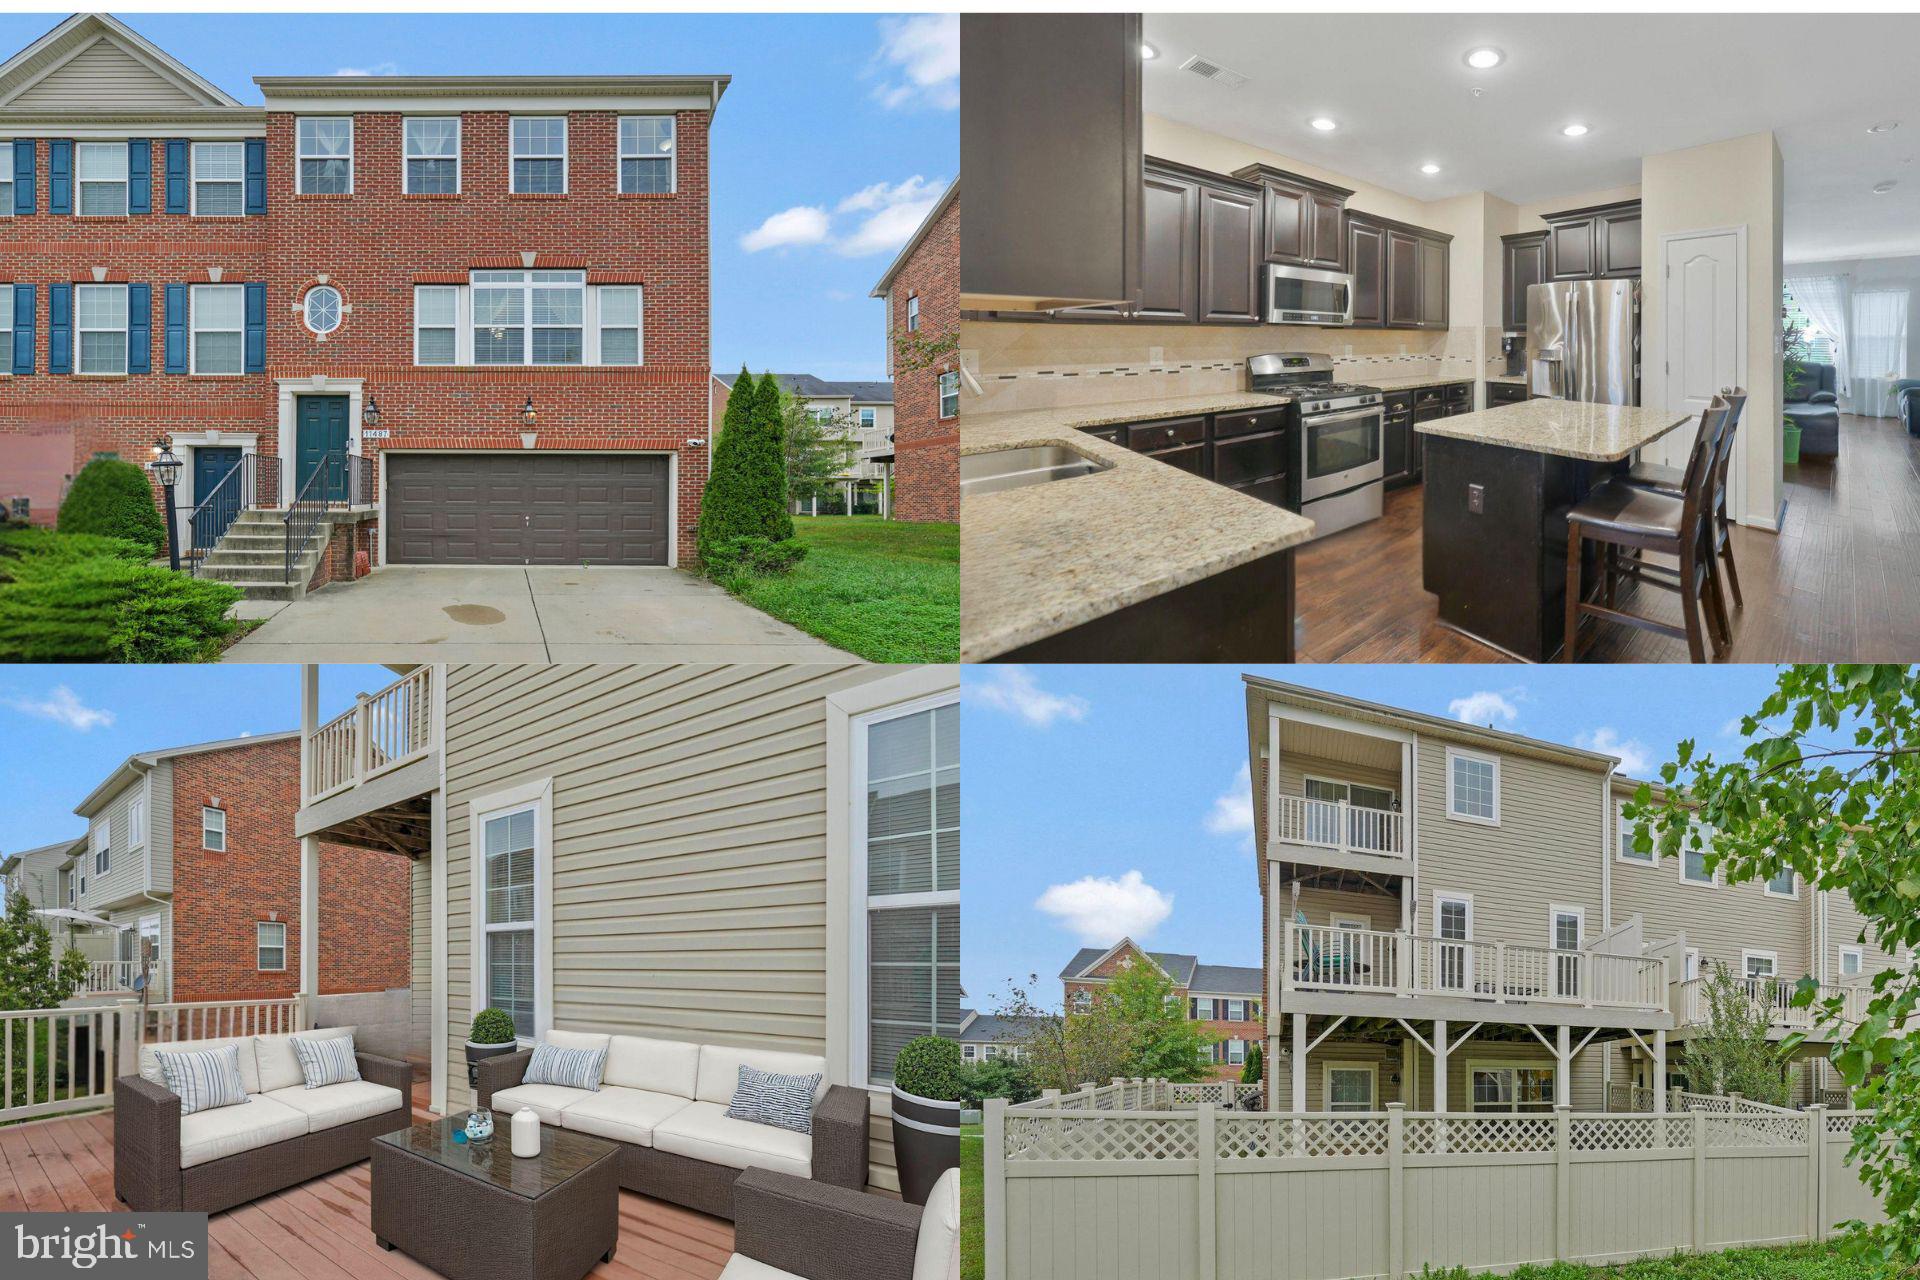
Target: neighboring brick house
988, 1035
191, 850
1225, 997
866, 408
514, 271
922, 291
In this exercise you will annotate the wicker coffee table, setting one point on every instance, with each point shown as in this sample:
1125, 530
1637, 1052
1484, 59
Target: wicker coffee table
475, 1211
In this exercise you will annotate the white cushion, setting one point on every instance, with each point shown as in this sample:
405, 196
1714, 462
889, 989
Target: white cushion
547, 1100
577, 1040
704, 1131
741, 1267
226, 1131
278, 1066
332, 1105
936, 1256
720, 1069
150, 1060
625, 1115
662, 1066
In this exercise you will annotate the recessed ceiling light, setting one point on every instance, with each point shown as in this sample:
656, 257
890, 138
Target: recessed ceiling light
1322, 123
1485, 59
1881, 188
1148, 51
1883, 126
1429, 168
1574, 130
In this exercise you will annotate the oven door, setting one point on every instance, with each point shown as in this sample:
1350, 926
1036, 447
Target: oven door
1339, 451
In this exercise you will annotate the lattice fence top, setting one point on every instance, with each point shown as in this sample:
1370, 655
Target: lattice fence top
1712, 1103
1846, 1121
1272, 1137
1779, 1130
1081, 1136
1630, 1133
1481, 1134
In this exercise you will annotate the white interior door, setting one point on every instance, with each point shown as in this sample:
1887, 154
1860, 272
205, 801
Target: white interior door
1706, 338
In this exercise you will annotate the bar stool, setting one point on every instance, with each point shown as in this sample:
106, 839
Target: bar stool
1667, 480
1617, 514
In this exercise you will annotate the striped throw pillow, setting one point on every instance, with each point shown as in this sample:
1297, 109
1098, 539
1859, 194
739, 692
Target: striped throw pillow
569, 1068
326, 1061
767, 1097
204, 1079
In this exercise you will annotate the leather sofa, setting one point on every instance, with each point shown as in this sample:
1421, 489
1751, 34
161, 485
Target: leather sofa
1815, 408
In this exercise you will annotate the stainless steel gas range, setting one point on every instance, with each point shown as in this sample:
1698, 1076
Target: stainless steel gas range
1341, 468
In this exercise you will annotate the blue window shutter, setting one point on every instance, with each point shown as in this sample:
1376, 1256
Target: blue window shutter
139, 175
176, 175
139, 328
59, 328
23, 328
24, 160
176, 328
60, 176
256, 175
256, 340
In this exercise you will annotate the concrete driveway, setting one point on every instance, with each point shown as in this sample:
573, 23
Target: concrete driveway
408, 613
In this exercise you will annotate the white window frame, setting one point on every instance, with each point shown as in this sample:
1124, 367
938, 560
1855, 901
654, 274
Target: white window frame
193, 331
1478, 757
566, 148
79, 347
462, 324
339, 310
1859, 958
100, 846
459, 155
207, 829
1231, 1015
6, 314
591, 343
1516, 1066
1713, 877
620, 156
1372, 1071
538, 796
6, 200
1694, 964
1792, 893
299, 185
913, 313
193, 177
73, 885
1554, 913
1623, 832
589, 317
125, 182
137, 820
948, 383
1466, 977
1748, 955
967, 1052
261, 946
868, 418
1232, 1047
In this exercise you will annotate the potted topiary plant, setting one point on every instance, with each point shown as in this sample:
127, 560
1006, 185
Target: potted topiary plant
490, 1036
927, 1089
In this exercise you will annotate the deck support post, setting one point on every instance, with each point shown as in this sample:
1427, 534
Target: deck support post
309, 917
1562, 1069
1440, 1064
1660, 1071
1299, 1072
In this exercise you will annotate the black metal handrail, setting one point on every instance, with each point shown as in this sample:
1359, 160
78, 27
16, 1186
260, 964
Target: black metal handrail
309, 505
254, 481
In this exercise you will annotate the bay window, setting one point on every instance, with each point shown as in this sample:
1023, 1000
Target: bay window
100, 169
219, 313
100, 326
646, 155
219, 176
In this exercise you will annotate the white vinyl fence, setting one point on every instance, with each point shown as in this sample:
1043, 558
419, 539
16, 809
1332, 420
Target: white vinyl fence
1080, 1188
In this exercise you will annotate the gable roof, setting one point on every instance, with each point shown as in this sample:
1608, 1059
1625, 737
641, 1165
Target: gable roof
991, 1027
140, 762
1176, 966
93, 63
951, 194
808, 387
1226, 980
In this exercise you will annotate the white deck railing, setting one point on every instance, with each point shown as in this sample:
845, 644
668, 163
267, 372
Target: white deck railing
1331, 958
55, 1060
1775, 997
1349, 828
204, 1019
110, 977
383, 731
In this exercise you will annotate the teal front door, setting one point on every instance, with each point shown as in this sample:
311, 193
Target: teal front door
320, 428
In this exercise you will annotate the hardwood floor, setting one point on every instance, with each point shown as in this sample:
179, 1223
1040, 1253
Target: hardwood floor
1839, 583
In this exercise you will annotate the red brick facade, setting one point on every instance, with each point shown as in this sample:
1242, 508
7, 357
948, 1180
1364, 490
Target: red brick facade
926, 446
1212, 1010
219, 898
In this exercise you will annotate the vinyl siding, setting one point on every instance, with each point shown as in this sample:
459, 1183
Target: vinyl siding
130, 915
103, 75
126, 876
1417, 1092
421, 960
1847, 927
160, 818
1295, 769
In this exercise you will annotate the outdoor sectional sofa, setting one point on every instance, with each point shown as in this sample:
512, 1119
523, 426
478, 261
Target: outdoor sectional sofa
665, 1102
281, 1136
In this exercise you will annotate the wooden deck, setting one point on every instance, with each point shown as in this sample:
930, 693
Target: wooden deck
319, 1231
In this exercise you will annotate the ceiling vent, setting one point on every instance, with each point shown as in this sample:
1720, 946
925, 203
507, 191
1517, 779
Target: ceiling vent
1213, 71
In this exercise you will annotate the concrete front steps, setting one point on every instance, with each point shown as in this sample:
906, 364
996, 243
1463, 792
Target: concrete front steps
253, 557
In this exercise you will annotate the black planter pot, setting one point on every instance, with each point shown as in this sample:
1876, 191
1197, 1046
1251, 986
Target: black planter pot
477, 1053
926, 1142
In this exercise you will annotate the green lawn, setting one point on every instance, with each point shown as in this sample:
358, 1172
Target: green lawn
1798, 1262
884, 589
973, 1226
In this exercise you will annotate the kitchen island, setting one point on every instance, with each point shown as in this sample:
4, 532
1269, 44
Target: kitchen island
1499, 484
1139, 561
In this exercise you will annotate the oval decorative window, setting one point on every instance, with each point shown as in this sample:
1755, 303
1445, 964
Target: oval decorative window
323, 309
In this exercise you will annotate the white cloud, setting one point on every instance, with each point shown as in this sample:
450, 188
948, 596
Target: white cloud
881, 195
1232, 812
918, 62
801, 225
1634, 759
62, 706
1100, 910
1483, 708
377, 69
887, 230
1011, 688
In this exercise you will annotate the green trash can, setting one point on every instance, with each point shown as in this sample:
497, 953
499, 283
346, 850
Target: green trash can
1790, 442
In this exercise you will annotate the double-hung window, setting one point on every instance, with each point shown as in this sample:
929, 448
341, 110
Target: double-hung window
213, 829
950, 394
219, 177
1782, 884
136, 822
867, 419
539, 155
509, 925
646, 155
323, 155
913, 313
100, 840
219, 322
6, 179
529, 317
1348, 1085
1626, 828
1473, 788
432, 155
270, 945
1236, 1011
436, 324
1693, 861
100, 326
100, 169
619, 323
1851, 962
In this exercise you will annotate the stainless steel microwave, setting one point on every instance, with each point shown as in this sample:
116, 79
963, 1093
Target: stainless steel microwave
1308, 295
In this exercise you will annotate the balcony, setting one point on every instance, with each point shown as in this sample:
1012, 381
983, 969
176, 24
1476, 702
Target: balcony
115, 978
384, 732
368, 773
1340, 827
1774, 996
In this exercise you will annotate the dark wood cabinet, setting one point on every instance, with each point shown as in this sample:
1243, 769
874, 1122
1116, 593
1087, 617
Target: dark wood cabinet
1329, 242
1571, 250
1228, 245
1367, 260
1305, 220
1403, 280
1619, 235
1596, 243
1169, 275
1289, 219
1524, 263
1433, 283
1506, 392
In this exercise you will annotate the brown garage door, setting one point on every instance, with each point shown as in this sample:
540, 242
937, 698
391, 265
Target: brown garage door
526, 508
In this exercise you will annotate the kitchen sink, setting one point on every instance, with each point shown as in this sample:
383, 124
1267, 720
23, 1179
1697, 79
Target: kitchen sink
1017, 468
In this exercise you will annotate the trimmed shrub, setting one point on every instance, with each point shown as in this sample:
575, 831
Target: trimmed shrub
491, 1026
38, 542
114, 499
771, 460
753, 556
929, 1067
746, 493
58, 603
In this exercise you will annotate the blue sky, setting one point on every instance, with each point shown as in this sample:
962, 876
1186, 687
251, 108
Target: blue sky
838, 133
64, 729
1118, 794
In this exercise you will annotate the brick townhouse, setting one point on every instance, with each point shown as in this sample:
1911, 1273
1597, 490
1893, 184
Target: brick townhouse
922, 292
1225, 997
476, 308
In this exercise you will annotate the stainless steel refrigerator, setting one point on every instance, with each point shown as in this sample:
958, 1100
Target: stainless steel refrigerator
1583, 341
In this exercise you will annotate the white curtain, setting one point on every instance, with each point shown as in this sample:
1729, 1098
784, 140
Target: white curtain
1880, 333
1824, 299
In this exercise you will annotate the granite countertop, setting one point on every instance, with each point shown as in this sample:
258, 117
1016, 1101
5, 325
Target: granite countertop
1517, 379
1038, 560
1408, 381
1569, 428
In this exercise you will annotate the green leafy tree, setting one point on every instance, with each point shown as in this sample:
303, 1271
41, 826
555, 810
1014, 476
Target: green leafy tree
770, 469
1828, 784
819, 448
1733, 1054
114, 499
746, 486
1167, 1044
1066, 1051
1256, 1064
35, 975
999, 1077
